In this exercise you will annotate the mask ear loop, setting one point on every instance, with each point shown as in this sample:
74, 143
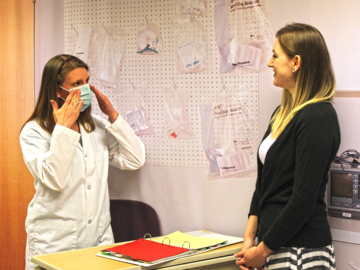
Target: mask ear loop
62, 89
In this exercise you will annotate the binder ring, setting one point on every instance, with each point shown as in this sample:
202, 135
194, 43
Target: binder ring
164, 240
146, 235
184, 244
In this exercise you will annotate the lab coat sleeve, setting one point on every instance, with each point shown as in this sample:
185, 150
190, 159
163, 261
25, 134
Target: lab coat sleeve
49, 157
126, 150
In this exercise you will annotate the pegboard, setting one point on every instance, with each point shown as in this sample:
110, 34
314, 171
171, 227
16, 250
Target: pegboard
160, 71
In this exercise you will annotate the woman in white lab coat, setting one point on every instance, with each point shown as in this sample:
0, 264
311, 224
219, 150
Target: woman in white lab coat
68, 151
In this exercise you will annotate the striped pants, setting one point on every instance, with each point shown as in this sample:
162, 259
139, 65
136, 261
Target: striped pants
290, 258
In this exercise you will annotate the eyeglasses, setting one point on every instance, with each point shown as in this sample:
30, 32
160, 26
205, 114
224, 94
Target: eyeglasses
63, 63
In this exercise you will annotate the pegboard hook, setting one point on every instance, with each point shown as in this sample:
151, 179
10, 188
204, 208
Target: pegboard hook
132, 84
191, 15
175, 86
223, 83
147, 22
105, 28
75, 30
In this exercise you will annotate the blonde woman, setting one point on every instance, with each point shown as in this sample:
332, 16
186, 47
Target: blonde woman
287, 211
68, 151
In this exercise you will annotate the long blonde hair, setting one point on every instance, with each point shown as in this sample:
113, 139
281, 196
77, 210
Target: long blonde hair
315, 81
54, 74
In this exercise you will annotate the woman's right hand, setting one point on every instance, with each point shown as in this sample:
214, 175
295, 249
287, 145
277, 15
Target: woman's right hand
69, 112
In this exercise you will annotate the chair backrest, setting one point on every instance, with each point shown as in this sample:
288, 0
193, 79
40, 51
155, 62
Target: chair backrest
131, 220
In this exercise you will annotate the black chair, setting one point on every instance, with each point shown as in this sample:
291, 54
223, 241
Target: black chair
131, 220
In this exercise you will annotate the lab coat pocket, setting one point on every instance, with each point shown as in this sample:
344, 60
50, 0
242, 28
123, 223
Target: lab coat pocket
105, 234
99, 159
54, 235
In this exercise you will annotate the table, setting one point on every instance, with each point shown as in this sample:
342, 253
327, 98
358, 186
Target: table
85, 259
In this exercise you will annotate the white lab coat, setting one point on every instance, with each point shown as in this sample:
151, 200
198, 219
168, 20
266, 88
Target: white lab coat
70, 208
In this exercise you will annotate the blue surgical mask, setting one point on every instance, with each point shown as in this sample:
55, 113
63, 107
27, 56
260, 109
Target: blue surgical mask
85, 94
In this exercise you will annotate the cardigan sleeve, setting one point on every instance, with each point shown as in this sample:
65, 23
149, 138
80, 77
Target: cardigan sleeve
255, 201
317, 140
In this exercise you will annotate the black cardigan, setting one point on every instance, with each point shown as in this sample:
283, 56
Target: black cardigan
290, 187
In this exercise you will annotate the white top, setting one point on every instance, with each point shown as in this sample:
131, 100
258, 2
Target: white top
70, 208
264, 147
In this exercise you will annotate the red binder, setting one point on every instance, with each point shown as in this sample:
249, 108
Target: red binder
148, 251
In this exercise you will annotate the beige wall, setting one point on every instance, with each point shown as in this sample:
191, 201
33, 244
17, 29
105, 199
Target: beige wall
16, 104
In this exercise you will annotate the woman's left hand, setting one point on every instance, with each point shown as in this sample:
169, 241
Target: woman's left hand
105, 104
254, 257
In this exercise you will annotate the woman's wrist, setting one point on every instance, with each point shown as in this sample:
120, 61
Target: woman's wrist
264, 250
249, 238
64, 124
250, 235
113, 116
